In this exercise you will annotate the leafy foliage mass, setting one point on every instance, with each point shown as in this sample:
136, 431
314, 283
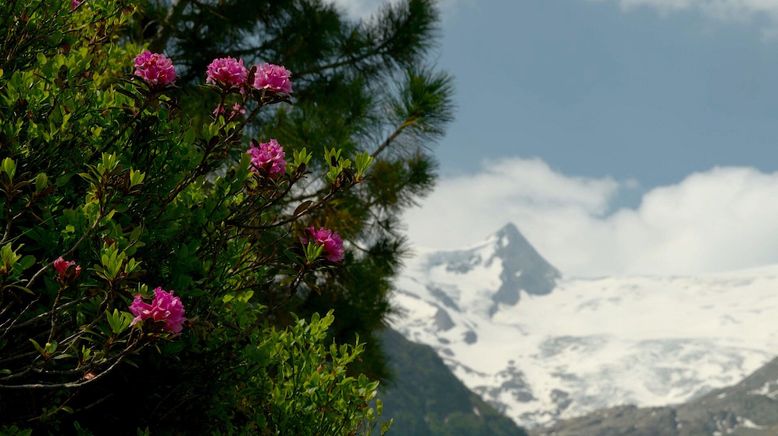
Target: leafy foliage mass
110, 187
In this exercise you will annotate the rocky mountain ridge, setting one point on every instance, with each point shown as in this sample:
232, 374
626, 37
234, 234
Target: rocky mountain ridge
749, 408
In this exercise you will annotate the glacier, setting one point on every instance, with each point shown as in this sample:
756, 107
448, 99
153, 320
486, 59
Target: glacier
543, 347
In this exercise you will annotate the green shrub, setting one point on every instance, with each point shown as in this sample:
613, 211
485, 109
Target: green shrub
110, 174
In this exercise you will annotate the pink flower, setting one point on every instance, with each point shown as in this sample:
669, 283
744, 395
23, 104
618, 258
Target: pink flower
268, 157
234, 111
165, 307
64, 273
331, 241
227, 72
140, 309
75, 3
273, 78
238, 109
156, 69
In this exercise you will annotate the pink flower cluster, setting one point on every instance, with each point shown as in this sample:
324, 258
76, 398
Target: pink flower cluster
268, 157
331, 241
227, 72
74, 4
165, 307
273, 78
154, 68
230, 74
64, 272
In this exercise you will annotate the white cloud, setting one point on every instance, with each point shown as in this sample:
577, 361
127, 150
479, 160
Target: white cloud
725, 10
360, 9
762, 13
722, 219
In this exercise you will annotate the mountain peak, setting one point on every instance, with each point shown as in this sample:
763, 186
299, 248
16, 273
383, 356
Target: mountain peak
509, 228
523, 268
509, 235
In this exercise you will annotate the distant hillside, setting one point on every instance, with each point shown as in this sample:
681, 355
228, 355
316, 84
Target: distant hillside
425, 398
748, 408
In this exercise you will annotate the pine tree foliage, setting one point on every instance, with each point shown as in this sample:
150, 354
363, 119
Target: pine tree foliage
360, 85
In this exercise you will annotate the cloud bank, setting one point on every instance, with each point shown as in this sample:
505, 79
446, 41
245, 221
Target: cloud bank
722, 219
749, 11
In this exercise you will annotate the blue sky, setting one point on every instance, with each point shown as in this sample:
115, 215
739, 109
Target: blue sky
621, 136
596, 90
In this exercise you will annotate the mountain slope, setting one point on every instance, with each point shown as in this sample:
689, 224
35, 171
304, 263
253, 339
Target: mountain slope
425, 399
747, 408
556, 348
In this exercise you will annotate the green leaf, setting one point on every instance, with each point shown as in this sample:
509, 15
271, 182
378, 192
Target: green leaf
118, 321
41, 182
9, 167
189, 136
26, 262
64, 179
132, 265
362, 161
38, 346
313, 251
245, 296
136, 178
8, 258
112, 261
300, 158
85, 353
50, 347
108, 163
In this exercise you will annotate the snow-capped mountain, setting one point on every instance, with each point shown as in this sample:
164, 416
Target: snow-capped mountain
542, 348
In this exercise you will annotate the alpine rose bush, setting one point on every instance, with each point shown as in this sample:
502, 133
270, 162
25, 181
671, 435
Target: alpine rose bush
268, 157
102, 160
227, 72
273, 78
329, 240
165, 307
155, 69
